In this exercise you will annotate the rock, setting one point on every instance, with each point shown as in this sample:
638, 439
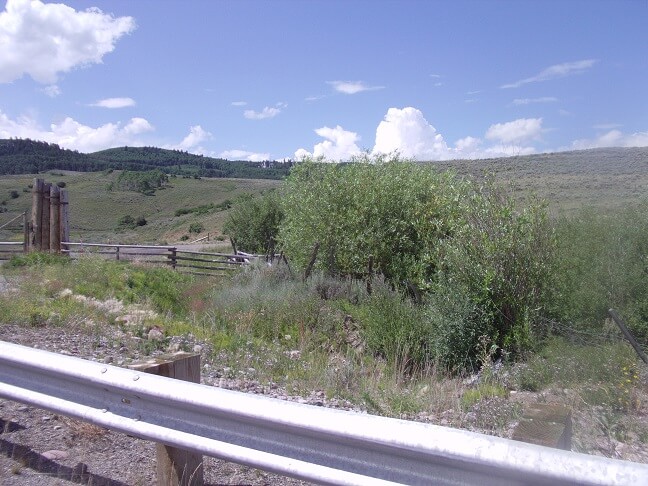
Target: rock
55, 455
155, 334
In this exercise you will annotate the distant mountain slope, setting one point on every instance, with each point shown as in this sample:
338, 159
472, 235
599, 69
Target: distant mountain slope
600, 161
24, 156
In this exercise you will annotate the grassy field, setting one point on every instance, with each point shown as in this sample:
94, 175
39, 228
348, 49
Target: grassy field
601, 178
604, 179
95, 211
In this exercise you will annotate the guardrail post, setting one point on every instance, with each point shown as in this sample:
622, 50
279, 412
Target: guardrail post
176, 467
545, 424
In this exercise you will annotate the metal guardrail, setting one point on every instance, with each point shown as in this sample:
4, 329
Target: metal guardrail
307, 442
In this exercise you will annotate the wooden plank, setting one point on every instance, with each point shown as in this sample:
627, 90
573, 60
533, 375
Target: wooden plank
545, 424
45, 218
55, 219
176, 467
204, 260
65, 217
37, 215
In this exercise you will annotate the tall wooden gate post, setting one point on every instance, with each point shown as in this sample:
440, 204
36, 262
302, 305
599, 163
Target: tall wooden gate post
55, 219
35, 238
176, 467
45, 218
65, 219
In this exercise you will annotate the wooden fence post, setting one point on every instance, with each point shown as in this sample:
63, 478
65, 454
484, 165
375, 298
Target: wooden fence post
45, 219
619, 322
25, 233
37, 215
117, 253
65, 219
55, 219
174, 257
176, 467
545, 424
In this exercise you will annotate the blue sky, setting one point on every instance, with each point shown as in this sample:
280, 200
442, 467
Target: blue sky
262, 80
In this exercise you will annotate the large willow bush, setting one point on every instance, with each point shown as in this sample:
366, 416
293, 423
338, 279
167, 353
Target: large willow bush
481, 263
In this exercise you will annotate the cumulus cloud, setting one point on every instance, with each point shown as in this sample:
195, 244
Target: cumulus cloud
71, 134
613, 138
267, 112
192, 141
340, 145
244, 155
516, 132
556, 71
352, 87
52, 90
114, 103
43, 40
409, 133
528, 101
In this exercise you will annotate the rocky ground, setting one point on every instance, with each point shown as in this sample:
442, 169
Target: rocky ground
41, 448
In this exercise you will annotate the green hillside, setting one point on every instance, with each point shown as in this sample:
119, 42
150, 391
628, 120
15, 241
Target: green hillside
25, 156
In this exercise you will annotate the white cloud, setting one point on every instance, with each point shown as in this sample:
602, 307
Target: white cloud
435, 76
606, 126
352, 87
52, 90
409, 133
244, 155
555, 71
192, 141
239, 103
613, 138
43, 40
339, 145
517, 131
267, 112
115, 103
528, 101
73, 135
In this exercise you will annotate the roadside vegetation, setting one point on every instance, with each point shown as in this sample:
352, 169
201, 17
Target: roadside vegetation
433, 297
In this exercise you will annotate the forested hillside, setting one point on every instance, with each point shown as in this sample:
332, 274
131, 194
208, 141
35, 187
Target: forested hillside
25, 156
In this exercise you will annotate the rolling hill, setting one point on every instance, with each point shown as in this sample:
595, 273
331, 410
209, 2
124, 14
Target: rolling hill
25, 156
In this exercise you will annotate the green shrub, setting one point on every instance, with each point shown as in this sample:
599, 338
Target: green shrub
253, 222
126, 222
601, 263
14, 194
61, 184
196, 228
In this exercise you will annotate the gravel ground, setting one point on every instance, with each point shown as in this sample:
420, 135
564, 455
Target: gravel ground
38, 447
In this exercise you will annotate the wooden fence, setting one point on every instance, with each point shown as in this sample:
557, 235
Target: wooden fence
186, 261
49, 218
15, 231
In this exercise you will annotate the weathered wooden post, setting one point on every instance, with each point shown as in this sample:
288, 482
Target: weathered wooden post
37, 215
55, 219
545, 424
176, 467
25, 233
65, 219
174, 257
45, 218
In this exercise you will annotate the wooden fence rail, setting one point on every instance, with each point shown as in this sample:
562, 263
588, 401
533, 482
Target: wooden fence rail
186, 261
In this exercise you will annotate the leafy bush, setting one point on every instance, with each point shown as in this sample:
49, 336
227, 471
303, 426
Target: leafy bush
196, 228
14, 194
126, 222
140, 221
61, 184
390, 209
482, 264
601, 263
145, 182
253, 222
